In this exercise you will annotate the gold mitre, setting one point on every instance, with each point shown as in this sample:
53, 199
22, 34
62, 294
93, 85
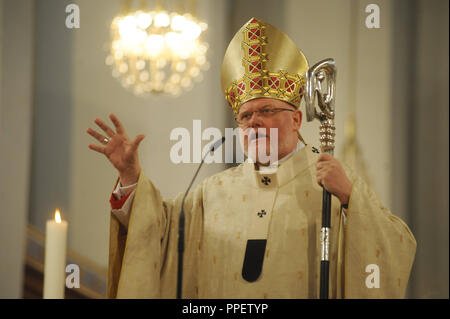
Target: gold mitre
262, 61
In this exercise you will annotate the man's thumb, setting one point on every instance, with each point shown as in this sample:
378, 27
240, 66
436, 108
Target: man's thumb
138, 140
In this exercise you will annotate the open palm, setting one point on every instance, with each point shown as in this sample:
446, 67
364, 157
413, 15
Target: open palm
119, 149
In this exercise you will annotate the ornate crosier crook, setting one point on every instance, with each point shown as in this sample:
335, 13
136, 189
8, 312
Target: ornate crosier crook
323, 70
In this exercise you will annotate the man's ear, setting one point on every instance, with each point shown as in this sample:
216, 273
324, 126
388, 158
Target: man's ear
298, 116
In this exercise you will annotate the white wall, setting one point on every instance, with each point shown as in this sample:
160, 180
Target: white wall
50, 168
16, 65
428, 156
1, 55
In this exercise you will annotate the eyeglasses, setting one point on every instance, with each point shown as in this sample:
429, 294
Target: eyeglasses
245, 117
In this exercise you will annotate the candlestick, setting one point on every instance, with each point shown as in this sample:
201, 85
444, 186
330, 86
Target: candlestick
55, 258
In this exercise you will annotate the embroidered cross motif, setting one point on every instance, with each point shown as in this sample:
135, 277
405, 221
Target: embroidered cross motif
256, 83
266, 180
290, 86
315, 150
274, 82
254, 32
261, 213
241, 88
232, 97
254, 50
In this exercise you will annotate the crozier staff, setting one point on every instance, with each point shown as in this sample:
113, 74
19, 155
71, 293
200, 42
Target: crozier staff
251, 231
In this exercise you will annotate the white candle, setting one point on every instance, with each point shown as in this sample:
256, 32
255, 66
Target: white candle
55, 258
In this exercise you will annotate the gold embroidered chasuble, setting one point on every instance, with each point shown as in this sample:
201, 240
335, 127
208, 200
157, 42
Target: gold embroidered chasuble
238, 204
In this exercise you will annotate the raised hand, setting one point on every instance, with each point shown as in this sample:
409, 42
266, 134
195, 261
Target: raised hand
119, 149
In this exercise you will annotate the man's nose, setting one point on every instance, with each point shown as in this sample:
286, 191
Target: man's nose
255, 120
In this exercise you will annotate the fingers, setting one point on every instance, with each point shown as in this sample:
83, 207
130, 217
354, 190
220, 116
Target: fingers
119, 127
97, 148
104, 127
137, 141
326, 161
323, 181
325, 166
320, 180
323, 173
324, 157
99, 137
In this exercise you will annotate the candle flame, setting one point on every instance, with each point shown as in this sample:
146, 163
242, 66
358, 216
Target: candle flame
58, 216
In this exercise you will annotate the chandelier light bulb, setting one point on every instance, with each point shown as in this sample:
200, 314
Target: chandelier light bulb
191, 30
154, 44
144, 20
127, 27
140, 64
178, 23
173, 40
162, 19
160, 63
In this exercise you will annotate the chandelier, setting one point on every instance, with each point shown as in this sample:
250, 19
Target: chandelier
157, 51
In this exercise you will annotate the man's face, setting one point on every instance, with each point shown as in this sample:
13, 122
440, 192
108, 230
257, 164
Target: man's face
287, 122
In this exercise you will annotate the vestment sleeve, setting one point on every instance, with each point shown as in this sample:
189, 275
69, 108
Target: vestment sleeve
374, 239
143, 258
121, 200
